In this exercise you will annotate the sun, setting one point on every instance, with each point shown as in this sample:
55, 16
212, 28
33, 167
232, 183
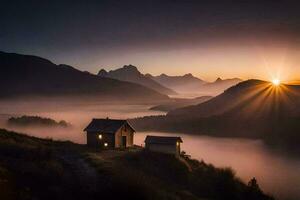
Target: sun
276, 82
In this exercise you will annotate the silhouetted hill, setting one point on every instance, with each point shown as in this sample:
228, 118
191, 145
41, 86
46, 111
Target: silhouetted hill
130, 73
26, 76
253, 108
249, 99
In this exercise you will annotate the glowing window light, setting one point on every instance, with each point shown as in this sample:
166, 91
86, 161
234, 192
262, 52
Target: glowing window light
100, 136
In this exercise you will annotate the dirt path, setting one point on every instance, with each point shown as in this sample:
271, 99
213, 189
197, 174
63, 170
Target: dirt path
84, 174
87, 181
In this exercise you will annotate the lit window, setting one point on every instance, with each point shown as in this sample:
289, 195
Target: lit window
100, 136
105, 144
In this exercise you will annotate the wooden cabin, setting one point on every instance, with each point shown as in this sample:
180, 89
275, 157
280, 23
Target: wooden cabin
109, 134
168, 145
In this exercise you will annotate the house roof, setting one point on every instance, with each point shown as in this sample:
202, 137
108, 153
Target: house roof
162, 139
106, 125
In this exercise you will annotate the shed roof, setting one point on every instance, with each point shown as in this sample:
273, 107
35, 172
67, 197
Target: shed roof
162, 139
106, 125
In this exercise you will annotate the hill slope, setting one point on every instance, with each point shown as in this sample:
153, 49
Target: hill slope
23, 75
249, 99
131, 74
179, 103
253, 108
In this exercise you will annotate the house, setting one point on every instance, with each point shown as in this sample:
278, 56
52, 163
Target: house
169, 145
109, 133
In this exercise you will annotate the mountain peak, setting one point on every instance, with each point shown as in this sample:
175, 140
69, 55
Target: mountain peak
130, 67
188, 75
131, 73
102, 72
163, 75
218, 79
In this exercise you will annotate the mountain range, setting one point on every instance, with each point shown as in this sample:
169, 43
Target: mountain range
130, 73
191, 84
27, 76
23, 75
170, 85
179, 83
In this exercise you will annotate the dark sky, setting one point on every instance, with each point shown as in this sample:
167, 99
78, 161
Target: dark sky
90, 34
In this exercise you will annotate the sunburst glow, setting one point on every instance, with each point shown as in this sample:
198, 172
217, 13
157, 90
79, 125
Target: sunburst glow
276, 82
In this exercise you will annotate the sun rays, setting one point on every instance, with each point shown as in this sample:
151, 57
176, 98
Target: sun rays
266, 99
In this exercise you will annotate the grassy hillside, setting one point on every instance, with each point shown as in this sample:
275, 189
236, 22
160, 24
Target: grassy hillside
32, 168
159, 176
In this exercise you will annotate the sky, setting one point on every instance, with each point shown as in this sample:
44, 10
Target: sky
210, 39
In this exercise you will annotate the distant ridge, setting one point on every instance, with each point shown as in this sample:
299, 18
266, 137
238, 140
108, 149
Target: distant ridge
130, 73
219, 85
191, 84
27, 76
180, 84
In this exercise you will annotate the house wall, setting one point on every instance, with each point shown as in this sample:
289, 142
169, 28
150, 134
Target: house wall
164, 148
124, 131
91, 139
94, 141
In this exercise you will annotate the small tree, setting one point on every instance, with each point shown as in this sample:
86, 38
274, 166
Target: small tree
253, 184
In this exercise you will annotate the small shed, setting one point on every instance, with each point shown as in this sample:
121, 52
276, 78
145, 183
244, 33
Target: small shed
163, 144
109, 133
